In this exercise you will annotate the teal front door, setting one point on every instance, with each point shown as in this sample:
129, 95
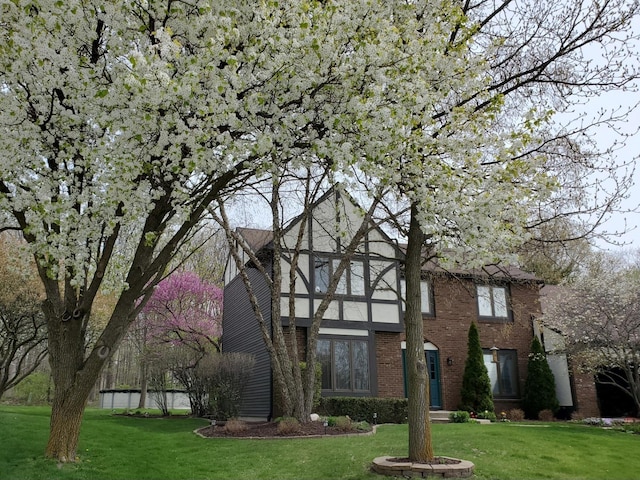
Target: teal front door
433, 364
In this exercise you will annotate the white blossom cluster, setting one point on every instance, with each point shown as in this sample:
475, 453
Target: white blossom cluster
599, 318
109, 108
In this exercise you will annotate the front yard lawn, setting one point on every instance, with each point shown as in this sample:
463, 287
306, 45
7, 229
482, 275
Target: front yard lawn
116, 447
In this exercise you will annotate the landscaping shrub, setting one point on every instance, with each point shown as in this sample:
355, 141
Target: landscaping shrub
515, 414
234, 425
288, 425
540, 386
387, 410
361, 426
546, 415
228, 375
476, 387
487, 415
631, 428
461, 416
341, 423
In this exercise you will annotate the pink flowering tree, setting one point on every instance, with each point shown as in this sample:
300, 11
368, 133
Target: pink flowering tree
181, 325
184, 310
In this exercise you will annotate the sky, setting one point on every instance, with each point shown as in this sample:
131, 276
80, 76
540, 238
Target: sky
629, 217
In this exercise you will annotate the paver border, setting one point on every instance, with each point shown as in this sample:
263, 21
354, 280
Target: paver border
387, 466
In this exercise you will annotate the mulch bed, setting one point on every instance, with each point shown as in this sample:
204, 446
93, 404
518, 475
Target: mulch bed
270, 430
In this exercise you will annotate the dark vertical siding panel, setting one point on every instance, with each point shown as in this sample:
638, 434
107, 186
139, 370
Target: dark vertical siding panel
241, 333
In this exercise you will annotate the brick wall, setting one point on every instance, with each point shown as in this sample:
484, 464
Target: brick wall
389, 365
585, 398
455, 309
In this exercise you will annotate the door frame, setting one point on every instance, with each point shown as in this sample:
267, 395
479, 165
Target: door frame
432, 357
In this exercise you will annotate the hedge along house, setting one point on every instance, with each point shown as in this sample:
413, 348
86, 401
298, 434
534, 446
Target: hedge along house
361, 345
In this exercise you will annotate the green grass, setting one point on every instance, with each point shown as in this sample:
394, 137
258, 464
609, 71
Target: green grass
113, 447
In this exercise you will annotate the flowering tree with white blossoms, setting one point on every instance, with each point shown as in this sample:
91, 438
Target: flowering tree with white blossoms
598, 316
477, 200
121, 121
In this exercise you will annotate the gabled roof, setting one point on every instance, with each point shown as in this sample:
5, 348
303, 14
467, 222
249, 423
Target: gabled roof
498, 272
256, 238
493, 271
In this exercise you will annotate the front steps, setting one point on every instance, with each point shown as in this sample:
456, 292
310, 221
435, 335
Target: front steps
439, 416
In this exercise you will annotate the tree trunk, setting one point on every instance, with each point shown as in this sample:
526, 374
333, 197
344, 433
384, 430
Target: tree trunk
143, 384
420, 445
66, 418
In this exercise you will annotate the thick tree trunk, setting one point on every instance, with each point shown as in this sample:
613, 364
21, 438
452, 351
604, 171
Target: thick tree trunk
74, 375
66, 418
420, 445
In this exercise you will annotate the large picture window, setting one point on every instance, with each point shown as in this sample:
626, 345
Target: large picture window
425, 296
351, 281
492, 302
345, 364
503, 372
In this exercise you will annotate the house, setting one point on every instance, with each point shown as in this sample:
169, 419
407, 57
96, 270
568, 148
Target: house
361, 345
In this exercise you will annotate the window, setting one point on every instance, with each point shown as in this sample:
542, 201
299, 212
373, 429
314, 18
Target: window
492, 302
503, 373
351, 282
425, 296
345, 364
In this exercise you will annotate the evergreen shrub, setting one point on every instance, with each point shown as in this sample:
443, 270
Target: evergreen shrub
540, 386
476, 387
387, 410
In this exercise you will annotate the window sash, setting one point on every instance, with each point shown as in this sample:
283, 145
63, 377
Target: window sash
492, 301
352, 281
503, 374
345, 364
322, 274
425, 296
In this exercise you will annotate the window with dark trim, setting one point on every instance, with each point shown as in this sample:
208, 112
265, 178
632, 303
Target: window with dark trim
426, 304
351, 282
345, 364
503, 372
493, 302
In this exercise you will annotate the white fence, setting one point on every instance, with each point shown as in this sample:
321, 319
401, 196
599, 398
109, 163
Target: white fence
176, 399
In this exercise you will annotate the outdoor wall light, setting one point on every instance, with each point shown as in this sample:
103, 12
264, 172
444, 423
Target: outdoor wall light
449, 361
494, 354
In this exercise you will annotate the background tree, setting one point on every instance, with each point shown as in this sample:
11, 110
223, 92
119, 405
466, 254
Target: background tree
181, 324
556, 253
540, 385
184, 310
476, 394
23, 333
598, 316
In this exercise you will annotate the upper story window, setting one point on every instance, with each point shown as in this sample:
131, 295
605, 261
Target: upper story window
351, 282
492, 302
425, 296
